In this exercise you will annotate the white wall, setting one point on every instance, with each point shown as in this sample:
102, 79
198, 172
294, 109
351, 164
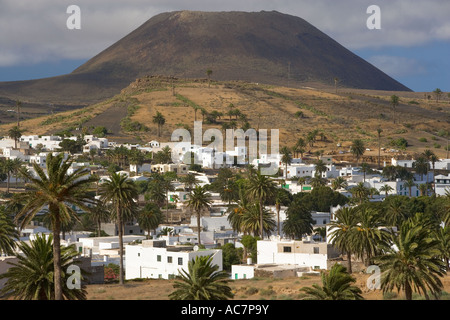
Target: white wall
142, 262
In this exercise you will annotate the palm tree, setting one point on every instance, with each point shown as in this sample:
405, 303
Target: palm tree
342, 230
301, 181
8, 233
414, 265
99, 214
365, 169
300, 146
199, 200
209, 73
8, 168
156, 192
423, 188
379, 131
280, 197
368, 235
121, 193
203, 281
443, 235
339, 183
437, 93
238, 211
396, 211
60, 192
421, 165
15, 133
189, 181
260, 188
160, 121
167, 186
251, 220
286, 158
149, 217
336, 285
394, 102
358, 149
360, 192
31, 277
409, 184
386, 188
320, 168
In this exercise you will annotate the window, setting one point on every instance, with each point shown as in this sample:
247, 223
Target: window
316, 250
169, 259
158, 258
287, 249
180, 261
139, 254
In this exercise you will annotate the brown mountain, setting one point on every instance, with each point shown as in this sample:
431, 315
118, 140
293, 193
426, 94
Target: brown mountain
248, 46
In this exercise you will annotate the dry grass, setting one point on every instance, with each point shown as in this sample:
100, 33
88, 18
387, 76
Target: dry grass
251, 289
342, 117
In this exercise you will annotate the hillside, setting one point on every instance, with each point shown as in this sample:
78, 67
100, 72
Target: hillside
341, 117
262, 47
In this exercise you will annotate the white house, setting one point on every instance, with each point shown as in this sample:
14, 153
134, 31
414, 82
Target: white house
442, 184
442, 164
306, 253
49, 143
94, 143
145, 167
153, 259
95, 244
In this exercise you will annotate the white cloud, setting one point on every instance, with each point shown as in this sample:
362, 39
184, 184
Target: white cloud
398, 66
35, 31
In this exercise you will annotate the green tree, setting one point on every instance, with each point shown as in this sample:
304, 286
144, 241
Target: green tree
260, 188
320, 168
421, 165
368, 235
342, 230
202, 281
8, 233
209, 73
251, 220
395, 100
60, 192
438, 93
121, 193
230, 256
8, 167
337, 284
298, 221
360, 192
386, 189
415, 264
286, 158
31, 278
149, 217
358, 148
97, 215
199, 200
15, 133
159, 120
339, 183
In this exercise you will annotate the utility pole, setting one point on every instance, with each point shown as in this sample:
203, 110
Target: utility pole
18, 104
289, 73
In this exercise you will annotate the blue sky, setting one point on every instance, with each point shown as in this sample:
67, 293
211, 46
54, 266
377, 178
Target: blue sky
412, 46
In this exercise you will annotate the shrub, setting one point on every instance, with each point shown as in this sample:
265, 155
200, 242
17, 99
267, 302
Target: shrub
423, 139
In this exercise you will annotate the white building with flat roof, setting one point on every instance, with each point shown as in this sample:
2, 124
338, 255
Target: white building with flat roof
442, 184
305, 253
153, 259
